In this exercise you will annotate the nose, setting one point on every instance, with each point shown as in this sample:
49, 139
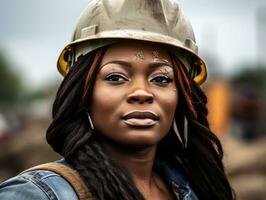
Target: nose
140, 96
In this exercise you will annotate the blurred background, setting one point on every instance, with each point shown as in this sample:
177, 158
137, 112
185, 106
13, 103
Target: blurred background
231, 36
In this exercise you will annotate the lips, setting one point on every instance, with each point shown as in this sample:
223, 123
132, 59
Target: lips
140, 118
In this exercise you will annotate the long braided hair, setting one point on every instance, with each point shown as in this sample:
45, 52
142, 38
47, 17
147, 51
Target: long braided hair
70, 135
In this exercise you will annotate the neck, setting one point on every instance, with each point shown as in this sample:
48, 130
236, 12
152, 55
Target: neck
137, 161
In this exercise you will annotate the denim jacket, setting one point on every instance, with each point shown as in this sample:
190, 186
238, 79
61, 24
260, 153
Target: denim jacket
47, 185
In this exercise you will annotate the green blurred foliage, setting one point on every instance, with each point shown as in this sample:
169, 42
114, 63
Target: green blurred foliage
251, 76
10, 81
46, 92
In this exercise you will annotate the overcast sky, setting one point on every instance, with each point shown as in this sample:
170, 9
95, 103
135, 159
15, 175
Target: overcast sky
33, 32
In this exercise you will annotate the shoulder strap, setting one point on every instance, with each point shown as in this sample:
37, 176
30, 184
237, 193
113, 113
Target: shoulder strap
69, 175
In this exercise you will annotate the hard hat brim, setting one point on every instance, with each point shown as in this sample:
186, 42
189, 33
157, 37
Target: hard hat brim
104, 38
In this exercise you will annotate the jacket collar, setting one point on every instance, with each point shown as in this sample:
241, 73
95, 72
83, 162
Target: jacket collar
175, 180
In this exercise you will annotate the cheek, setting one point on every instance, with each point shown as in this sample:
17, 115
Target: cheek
100, 94
168, 102
105, 101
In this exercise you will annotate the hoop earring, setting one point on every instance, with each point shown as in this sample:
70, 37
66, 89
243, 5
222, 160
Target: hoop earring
185, 136
90, 121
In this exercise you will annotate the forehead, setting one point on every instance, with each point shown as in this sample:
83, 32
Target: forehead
128, 50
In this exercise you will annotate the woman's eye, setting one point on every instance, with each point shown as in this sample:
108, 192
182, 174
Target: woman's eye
116, 78
162, 79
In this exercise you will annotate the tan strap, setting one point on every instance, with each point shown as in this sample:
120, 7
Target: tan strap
72, 177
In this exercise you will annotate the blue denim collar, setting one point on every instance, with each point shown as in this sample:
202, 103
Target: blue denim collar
175, 180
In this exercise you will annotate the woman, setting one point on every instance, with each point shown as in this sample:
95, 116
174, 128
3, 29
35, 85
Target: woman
130, 116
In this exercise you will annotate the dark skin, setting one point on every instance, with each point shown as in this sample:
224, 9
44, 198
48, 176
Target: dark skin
135, 76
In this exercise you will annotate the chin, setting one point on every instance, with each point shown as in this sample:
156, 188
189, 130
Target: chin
141, 139
134, 138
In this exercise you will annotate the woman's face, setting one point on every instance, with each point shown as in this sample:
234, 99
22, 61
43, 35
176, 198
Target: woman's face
135, 95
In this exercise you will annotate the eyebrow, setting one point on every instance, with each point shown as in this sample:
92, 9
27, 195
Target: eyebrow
127, 64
